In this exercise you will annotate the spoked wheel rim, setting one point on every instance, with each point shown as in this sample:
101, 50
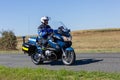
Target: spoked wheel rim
36, 59
69, 58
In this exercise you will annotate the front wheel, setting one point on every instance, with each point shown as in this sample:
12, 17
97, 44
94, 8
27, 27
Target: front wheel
36, 59
69, 59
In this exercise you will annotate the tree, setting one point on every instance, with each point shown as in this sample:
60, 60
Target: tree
8, 41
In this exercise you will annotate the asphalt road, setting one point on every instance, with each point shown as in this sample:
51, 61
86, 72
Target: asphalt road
90, 62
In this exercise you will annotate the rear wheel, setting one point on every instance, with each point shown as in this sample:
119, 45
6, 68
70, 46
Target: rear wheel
36, 59
69, 59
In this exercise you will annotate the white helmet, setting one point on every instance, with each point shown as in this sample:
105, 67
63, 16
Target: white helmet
44, 18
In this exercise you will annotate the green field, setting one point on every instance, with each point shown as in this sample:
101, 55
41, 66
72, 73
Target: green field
7, 73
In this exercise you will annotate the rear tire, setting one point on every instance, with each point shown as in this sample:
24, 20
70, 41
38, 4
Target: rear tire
69, 59
36, 59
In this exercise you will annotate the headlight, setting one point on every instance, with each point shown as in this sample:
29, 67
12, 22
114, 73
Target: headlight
67, 38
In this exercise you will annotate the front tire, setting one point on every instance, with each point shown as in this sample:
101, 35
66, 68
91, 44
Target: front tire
69, 59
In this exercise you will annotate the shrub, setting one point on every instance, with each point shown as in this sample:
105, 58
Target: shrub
8, 40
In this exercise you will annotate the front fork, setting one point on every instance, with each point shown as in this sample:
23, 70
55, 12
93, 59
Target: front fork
67, 49
64, 54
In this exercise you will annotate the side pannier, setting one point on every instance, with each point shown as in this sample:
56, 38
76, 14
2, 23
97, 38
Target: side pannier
28, 48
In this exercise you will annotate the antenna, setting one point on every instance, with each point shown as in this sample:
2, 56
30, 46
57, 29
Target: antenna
28, 25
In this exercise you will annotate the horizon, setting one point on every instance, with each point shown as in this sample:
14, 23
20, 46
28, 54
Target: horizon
113, 29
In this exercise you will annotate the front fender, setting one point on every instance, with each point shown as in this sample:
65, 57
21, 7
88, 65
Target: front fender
69, 49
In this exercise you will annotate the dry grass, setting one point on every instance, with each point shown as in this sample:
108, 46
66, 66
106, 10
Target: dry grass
84, 41
107, 40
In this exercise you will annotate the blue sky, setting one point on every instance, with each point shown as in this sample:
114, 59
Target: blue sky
23, 16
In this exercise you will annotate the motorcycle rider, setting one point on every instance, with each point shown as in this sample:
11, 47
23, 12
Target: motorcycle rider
44, 30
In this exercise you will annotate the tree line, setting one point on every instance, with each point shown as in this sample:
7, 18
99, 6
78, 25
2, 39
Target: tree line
8, 40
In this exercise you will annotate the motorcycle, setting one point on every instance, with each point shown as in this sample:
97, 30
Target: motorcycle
58, 47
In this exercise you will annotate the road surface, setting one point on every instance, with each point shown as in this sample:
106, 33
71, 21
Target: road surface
109, 62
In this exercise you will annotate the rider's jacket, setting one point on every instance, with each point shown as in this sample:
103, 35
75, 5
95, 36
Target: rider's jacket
44, 30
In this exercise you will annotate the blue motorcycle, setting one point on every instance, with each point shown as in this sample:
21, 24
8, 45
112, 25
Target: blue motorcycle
58, 47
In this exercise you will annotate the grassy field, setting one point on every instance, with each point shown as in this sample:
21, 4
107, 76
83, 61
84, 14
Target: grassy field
106, 40
92, 41
7, 73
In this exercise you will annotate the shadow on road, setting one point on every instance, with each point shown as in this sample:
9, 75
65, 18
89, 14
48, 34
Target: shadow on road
87, 61
77, 62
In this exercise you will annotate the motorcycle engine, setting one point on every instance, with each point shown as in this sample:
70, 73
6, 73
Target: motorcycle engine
48, 53
51, 55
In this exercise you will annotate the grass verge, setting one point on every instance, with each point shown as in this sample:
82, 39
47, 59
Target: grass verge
7, 73
11, 52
